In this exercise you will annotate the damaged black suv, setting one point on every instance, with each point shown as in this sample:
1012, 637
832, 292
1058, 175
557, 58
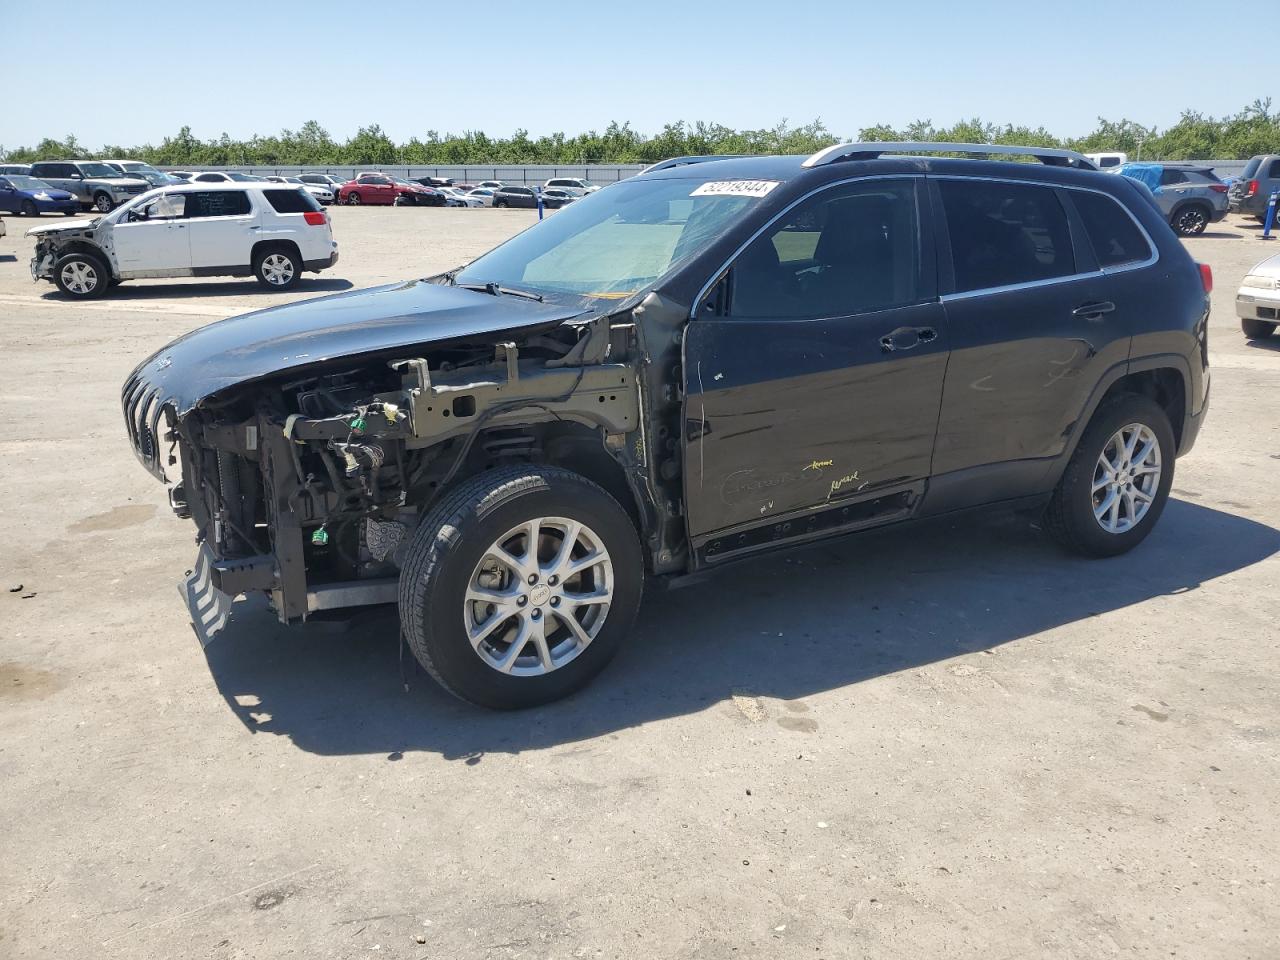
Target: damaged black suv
712, 359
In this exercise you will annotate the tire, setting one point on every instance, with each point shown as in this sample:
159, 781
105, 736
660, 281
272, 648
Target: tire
70, 213
353, 199
1257, 329
499, 203
277, 268
1190, 219
103, 203
1070, 517
81, 276
446, 555
402, 200
29, 209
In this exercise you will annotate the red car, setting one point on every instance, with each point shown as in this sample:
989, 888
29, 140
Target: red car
379, 188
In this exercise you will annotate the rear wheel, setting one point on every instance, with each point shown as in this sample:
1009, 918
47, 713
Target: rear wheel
28, 209
520, 586
277, 268
103, 203
1190, 220
81, 275
1257, 329
1116, 484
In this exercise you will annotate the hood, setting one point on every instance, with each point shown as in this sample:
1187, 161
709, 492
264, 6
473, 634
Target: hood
121, 181
84, 223
401, 318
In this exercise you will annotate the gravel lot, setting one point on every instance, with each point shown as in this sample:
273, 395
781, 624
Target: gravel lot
949, 742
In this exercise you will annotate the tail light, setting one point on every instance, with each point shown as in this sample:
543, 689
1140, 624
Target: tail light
317, 218
1206, 277
1251, 188
1218, 187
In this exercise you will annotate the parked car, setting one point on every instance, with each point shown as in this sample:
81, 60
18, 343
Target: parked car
1191, 197
659, 381
571, 183
323, 194
95, 185
557, 197
1110, 162
483, 194
331, 183
491, 184
218, 176
1258, 299
3, 229
516, 197
142, 171
435, 181
268, 231
23, 169
459, 198
29, 197
421, 194
183, 175
377, 188
1259, 179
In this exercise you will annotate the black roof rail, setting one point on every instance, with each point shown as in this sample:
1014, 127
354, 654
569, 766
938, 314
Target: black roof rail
1050, 156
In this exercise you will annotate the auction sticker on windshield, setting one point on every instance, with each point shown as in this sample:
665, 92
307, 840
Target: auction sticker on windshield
735, 188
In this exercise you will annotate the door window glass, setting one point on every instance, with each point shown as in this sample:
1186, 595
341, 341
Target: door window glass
217, 203
1116, 238
1005, 233
847, 250
167, 207
1169, 177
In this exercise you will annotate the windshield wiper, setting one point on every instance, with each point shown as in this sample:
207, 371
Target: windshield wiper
497, 290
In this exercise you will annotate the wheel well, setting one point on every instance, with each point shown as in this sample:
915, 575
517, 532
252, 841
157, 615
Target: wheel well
563, 443
263, 247
1164, 385
88, 249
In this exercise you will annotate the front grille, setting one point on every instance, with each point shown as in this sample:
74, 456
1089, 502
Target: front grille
143, 409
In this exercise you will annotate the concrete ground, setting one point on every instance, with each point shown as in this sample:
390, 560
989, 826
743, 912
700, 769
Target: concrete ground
953, 741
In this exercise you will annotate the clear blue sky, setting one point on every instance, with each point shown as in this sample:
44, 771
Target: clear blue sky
256, 68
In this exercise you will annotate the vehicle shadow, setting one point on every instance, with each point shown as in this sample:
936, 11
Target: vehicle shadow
787, 626
1271, 344
8, 258
129, 291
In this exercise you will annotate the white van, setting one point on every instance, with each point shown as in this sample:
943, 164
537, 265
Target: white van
1109, 162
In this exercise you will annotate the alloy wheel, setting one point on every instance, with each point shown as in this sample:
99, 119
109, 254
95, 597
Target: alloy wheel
103, 203
1192, 220
1126, 478
538, 597
277, 269
80, 277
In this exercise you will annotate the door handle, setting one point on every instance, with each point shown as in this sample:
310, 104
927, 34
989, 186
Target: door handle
907, 338
1093, 311
254, 228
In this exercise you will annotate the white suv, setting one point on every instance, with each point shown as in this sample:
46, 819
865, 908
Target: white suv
571, 183
269, 231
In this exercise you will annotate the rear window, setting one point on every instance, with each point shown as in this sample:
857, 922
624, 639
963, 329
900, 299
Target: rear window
1251, 167
1005, 233
1115, 237
296, 200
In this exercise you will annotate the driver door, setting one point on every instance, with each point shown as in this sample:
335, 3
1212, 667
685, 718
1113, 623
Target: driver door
152, 240
813, 373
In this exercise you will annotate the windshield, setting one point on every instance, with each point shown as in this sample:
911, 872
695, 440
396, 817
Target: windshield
26, 183
613, 243
98, 170
243, 178
143, 168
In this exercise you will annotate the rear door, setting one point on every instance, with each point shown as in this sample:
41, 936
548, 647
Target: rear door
223, 227
814, 370
1034, 324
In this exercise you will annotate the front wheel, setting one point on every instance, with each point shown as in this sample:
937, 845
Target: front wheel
29, 209
1117, 481
353, 199
103, 203
81, 276
277, 268
403, 200
1257, 329
520, 586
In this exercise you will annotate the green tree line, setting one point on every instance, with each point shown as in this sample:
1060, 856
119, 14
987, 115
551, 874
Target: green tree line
1253, 130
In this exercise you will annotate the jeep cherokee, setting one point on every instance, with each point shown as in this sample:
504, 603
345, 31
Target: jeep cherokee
704, 362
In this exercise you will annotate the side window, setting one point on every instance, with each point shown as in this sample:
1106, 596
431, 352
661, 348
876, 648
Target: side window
170, 206
849, 249
295, 200
209, 178
217, 203
1274, 172
1115, 237
1005, 233
1168, 177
